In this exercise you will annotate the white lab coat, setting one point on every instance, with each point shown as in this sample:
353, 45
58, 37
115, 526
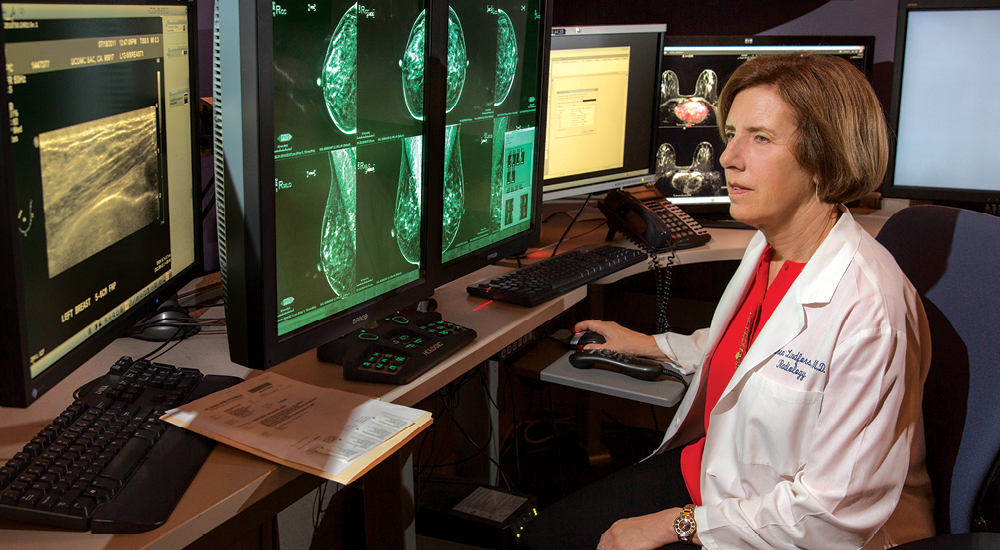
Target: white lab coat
817, 441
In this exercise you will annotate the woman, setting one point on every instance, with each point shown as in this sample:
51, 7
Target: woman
802, 426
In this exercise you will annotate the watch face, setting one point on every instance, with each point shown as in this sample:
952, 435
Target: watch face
684, 526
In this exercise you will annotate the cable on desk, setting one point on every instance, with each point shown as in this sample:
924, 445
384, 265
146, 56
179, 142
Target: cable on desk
573, 221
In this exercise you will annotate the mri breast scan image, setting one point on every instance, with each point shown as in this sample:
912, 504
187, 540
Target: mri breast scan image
700, 178
689, 110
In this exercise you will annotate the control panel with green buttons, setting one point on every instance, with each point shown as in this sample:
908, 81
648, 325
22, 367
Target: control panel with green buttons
397, 348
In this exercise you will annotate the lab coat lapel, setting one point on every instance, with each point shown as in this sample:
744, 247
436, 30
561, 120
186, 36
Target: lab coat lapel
815, 285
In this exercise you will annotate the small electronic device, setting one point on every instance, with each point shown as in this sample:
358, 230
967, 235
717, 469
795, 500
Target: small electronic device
543, 280
644, 215
642, 368
583, 337
396, 349
470, 513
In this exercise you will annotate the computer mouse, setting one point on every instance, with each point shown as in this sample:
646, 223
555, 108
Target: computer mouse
584, 337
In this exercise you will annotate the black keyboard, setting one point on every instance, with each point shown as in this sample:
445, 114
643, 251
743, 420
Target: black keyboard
541, 281
107, 464
396, 349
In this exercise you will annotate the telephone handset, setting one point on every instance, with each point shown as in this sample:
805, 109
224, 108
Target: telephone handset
643, 213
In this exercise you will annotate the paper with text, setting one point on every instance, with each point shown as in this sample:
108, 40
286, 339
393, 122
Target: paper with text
326, 432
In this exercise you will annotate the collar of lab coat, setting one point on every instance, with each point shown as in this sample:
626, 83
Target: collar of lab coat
815, 285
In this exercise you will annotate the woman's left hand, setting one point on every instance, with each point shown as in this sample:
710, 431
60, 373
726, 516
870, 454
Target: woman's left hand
641, 533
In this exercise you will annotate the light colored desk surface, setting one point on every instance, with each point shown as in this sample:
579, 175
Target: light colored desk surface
230, 480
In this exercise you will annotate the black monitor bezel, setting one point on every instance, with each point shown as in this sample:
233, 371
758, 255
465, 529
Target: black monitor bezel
250, 277
889, 187
611, 178
17, 387
442, 272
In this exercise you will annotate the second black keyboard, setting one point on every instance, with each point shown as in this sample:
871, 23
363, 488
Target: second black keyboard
541, 281
107, 464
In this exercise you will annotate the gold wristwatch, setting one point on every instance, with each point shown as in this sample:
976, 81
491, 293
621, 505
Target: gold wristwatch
684, 525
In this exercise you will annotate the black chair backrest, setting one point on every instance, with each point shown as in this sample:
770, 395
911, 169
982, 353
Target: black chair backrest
952, 257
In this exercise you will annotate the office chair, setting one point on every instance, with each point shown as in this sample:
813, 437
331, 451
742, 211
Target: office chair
952, 257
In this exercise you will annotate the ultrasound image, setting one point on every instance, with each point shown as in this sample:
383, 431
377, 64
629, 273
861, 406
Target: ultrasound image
100, 183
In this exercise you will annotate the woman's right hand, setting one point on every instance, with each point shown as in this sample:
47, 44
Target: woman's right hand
621, 339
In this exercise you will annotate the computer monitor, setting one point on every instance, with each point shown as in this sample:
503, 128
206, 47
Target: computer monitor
328, 119
494, 134
602, 101
943, 110
100, 179
694, 71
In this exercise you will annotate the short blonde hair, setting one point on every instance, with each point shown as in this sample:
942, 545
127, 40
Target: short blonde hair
842, 137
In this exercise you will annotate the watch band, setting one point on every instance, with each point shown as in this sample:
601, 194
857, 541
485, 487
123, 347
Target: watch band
685, 526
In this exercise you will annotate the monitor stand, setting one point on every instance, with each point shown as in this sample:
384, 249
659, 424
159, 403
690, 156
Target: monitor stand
169, 322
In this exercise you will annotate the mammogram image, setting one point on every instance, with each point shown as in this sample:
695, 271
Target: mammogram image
338, 235
506, 56
100, 183
454, 187
339, 79
698, 179
407, 220
689, 110
412, 64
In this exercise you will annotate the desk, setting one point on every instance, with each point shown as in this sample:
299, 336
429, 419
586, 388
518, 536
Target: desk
232, 482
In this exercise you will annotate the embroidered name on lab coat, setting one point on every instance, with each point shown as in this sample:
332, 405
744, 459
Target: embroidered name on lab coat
792, 360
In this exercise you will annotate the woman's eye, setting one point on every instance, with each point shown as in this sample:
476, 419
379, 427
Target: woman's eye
761, 139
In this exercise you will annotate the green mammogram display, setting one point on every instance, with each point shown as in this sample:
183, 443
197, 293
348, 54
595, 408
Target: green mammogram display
407, 225
339, 79
454, 187
496, 182
412, 64
338, 239
506, 56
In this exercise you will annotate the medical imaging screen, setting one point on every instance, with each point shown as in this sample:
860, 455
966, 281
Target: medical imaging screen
101, 142
348, 153
492, 114
688, 145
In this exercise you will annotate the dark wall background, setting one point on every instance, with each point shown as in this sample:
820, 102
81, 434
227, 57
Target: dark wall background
749, 17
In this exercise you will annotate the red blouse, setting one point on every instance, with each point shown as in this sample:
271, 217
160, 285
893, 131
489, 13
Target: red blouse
758, 305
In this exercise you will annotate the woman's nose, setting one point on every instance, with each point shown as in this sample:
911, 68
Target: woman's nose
731, 154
